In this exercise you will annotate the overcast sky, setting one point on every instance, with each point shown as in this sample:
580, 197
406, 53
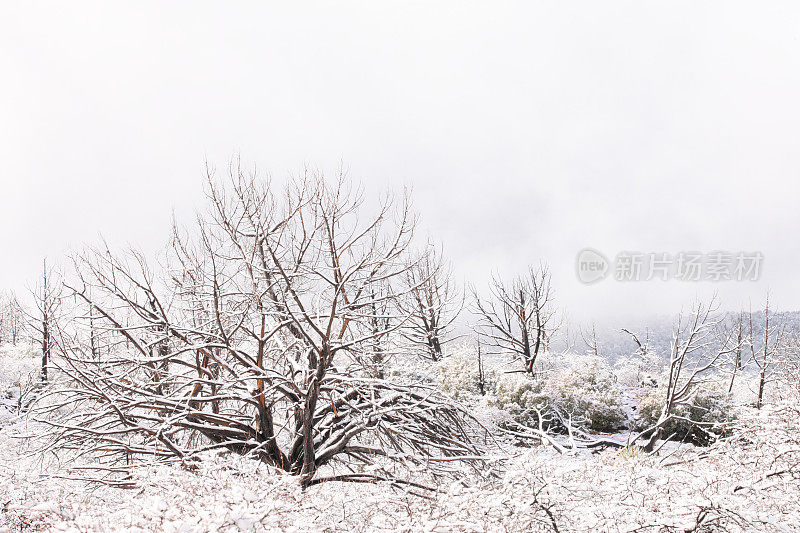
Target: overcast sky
528, 130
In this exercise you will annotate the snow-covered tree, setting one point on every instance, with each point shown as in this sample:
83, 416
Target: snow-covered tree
42, 319
433, 305
253, 338
518, 319
699, 345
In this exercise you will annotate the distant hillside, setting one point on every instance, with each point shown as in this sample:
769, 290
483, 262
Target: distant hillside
613, 342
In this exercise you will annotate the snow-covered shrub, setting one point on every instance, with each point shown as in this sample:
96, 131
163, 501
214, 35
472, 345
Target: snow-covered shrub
520, 396
583, 393
587, 390
710, 406
458, 375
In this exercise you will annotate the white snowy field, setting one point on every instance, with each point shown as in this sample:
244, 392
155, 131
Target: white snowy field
749, 481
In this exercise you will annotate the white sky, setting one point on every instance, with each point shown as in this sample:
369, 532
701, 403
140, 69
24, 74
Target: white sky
528, 130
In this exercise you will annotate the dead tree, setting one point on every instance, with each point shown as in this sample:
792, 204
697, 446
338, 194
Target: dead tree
42, 320
642, 348
433, 306
772, 342
647, 362
517, 319
93, 342
791, 361
737, 363
481, 376
699, 343
265, 311
380, 326
591, 342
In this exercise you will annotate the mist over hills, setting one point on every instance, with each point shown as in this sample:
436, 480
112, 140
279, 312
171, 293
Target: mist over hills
613, 342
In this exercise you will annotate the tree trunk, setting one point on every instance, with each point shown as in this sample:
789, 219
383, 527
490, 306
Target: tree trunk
761, 382
45, 347
481, 383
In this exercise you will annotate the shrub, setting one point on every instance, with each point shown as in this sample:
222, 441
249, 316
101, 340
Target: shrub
584, 393
520, 396
709, 406
457, 375
587, 390
631, 452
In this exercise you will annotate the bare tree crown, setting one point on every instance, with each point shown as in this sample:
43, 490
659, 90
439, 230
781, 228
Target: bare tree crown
518, 319
253, 335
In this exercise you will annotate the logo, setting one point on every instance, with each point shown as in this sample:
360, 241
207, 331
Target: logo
592, 266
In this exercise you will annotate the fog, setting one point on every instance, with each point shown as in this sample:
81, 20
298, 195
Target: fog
527, 131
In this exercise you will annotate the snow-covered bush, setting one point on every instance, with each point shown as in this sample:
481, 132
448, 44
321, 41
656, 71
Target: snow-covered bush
521, 396
458, 376
583, 393
709, 406
587, 389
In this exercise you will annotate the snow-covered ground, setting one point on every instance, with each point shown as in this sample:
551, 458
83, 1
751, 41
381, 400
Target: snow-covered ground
747, 482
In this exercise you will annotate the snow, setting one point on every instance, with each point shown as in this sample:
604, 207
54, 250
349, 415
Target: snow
608, 491
749, 481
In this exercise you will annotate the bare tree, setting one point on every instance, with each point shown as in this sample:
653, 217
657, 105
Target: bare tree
791, 361
518, 319
737, 362
42, 320
643, 348
253, 338
646, 361
591, 342
699, 343
380, 326
433, 306
481, 374
772, 342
